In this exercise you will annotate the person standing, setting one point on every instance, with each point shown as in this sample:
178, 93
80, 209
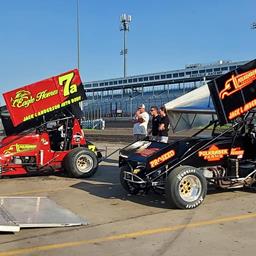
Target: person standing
155, 122
163, 125
136, 125
140, 127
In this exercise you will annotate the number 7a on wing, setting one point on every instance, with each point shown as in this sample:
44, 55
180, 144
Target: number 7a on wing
43, 97
70, 84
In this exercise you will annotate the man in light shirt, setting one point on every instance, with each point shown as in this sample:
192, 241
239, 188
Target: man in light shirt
140, 127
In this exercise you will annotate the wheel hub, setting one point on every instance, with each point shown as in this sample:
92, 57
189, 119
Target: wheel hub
190, 188
84, 163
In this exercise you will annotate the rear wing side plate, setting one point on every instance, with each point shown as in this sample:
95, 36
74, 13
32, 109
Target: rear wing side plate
234, 94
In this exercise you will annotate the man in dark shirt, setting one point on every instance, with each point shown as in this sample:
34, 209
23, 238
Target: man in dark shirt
155, 122
163, 125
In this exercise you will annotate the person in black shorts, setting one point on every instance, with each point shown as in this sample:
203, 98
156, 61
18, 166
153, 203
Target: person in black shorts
155, 122
163, 125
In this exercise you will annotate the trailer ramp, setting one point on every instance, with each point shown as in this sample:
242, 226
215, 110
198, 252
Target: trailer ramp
34, 212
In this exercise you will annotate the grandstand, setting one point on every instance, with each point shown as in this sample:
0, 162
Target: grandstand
119, 97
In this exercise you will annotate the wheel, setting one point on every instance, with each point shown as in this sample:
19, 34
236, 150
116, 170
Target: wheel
185, 187
130, 187
80, 163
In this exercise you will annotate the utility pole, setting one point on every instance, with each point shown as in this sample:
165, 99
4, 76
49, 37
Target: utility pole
78, 45
78, 34
125, 21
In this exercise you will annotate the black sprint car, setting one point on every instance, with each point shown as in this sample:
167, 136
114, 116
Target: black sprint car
226, 158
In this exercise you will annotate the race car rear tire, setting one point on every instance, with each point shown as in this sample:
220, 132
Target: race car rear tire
185, 188
130, 187
80, 163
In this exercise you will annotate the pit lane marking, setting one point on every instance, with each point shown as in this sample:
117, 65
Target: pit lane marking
123, 236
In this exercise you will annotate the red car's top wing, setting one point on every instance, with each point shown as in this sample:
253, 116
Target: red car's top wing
46, 96
234, 93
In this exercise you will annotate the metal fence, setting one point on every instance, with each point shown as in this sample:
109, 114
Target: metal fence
94, 124
116, 107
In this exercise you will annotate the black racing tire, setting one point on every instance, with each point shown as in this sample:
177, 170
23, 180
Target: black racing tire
185, 188
80, 163
131, 188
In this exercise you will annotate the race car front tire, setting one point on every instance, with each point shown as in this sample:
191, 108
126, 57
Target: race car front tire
80, 163
185, 188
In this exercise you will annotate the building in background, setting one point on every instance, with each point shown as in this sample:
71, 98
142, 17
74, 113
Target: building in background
119, 97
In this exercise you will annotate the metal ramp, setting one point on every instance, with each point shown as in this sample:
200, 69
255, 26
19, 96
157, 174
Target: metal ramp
34, 212
6, 222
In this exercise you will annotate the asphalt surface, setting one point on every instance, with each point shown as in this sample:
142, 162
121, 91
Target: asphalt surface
121, 224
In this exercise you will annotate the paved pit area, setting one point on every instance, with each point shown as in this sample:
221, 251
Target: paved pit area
121, 224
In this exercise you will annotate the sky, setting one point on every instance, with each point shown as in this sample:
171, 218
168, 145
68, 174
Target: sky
39, 37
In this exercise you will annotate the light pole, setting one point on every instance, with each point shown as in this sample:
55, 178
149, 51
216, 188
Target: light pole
78, 34
78, 44
253, 25
125, 21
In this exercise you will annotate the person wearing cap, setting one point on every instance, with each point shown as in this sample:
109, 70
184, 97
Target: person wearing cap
140, 127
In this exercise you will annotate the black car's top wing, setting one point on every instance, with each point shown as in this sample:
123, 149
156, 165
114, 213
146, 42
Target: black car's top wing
234, 94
